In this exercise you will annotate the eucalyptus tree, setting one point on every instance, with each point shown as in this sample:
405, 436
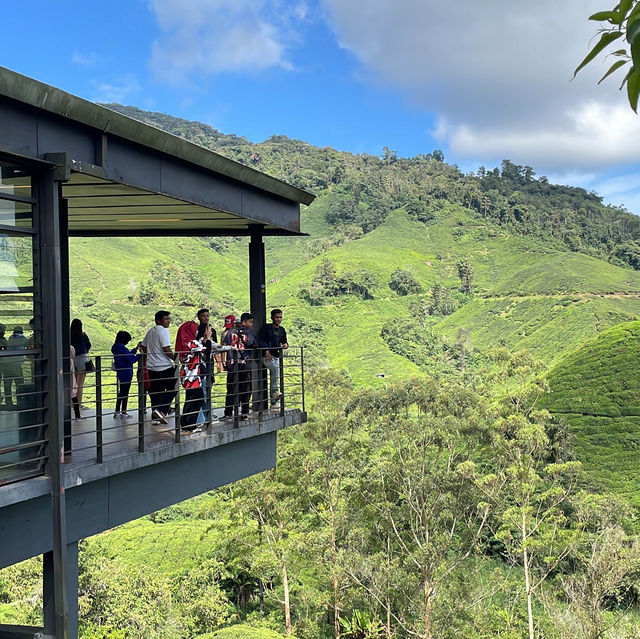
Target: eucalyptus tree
328, 453
532, 485
606, 561
417, 512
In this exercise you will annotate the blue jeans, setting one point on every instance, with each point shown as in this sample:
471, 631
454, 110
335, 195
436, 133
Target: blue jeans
273, 366
202, 417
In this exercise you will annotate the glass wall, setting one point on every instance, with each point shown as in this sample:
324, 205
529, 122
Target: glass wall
21, 428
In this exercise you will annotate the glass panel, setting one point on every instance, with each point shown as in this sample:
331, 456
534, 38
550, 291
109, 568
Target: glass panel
21, 397
14, 180
16, 298
15, 213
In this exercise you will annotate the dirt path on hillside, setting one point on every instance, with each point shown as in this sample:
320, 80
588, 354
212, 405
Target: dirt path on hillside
541, 296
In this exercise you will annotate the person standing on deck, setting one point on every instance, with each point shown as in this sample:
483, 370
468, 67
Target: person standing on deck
159, 356
82, 345
239, 366
273, 338
207, 364
123, 360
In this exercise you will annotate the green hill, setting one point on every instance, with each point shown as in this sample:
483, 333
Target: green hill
596, 390
552, 270
525, 293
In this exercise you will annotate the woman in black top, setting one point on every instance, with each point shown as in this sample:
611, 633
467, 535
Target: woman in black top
80, 342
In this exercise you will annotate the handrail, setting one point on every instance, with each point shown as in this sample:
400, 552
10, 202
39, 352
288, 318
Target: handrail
110, 423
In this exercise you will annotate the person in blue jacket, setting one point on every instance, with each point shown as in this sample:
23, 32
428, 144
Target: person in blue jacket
123, 359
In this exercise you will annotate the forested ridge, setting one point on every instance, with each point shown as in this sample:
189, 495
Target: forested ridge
368, 187
486, 486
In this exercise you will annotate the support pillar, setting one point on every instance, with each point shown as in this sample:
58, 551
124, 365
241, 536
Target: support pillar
53, 329
66, 316
257, 284
48, 587
258, 300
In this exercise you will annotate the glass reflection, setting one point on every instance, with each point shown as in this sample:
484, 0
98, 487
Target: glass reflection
14, 181
21, 417
15, 213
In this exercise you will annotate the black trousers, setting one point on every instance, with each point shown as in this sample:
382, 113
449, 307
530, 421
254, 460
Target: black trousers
123, 397
238, 380
193, 401
163, 389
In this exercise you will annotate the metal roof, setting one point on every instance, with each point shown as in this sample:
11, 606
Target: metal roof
126, 177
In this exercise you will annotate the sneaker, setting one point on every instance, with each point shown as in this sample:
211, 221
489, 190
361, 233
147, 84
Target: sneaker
117, 416
276, 397
226, 417
155, 422
244, 417
125, 416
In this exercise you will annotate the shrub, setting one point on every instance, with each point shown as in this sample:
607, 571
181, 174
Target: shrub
89, 297
403, 282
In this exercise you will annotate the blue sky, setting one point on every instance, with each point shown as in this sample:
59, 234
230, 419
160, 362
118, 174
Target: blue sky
481, 81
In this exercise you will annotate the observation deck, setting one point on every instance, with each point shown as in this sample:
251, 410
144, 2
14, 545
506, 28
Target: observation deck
72, 168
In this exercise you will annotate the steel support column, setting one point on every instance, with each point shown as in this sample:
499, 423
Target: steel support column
66, 316
258, 301
48, 588
257, 284
53, 328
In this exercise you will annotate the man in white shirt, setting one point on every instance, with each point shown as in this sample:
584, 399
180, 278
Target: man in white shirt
159, 357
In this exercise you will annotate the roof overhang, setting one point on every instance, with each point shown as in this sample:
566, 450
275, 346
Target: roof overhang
124, 177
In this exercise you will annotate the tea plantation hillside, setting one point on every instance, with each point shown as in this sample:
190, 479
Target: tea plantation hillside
525, 293
548, 266
410, 267
596, 390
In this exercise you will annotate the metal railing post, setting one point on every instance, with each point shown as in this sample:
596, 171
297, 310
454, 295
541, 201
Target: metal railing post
302, 375
208, 412
263, 385
236, 393
176, 415
281, 366
140, 377
99, 409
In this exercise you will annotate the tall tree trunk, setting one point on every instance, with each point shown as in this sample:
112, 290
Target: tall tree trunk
527, 575
260, 582
426, 583
388, 606
287, 602
334, 570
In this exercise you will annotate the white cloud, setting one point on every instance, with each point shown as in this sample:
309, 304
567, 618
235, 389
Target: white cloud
592, 135
116, 89
84, 59
205, 37
496, 74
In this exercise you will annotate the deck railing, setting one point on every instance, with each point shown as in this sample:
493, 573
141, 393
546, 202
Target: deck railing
23, 442
100, 432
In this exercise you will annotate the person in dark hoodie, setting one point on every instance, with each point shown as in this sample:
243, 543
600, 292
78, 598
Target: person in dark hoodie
239, 365
123, 359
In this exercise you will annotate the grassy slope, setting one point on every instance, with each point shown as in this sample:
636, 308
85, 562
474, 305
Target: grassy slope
527, 294
597, 390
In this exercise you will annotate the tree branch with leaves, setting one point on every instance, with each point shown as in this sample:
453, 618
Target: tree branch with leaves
620, 24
